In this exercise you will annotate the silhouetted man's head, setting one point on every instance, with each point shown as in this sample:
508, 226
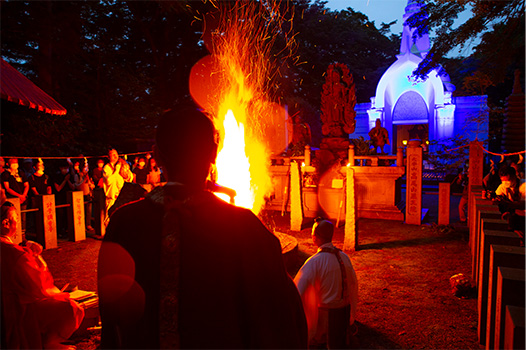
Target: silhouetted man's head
186, 145
322, 231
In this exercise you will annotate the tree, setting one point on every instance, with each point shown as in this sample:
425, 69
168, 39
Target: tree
117, 65
347, 37
489, 70
501, 22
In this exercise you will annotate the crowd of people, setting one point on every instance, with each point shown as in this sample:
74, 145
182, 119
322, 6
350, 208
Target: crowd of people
35, 313
32, 179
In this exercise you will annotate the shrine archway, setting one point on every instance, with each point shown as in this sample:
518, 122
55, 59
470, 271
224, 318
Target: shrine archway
410, 110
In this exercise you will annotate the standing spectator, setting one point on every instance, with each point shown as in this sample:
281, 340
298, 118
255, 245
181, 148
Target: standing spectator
115, 173
27, 168
16, 186
84, 183
113, 181
154, 174
62, 183
462, 181
38, 185
329, 289
98, 173
74, 170
135, 163
39, 182
141, 172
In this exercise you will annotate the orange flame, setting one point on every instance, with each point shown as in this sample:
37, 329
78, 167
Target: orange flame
242, 162
241, 46
233, 164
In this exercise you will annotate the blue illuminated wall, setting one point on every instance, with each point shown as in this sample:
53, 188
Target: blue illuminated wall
467, 108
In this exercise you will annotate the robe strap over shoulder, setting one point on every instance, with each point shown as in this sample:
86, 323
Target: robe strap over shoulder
336, 252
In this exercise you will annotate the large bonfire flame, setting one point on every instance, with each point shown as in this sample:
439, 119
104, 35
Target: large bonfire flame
241, 70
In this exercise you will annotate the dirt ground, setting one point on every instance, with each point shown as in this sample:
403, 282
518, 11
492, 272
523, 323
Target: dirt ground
405, 299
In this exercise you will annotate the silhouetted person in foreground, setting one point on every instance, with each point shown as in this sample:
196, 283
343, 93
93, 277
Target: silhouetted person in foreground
184, 269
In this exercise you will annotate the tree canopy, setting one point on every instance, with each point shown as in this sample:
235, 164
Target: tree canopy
498, 23
116, 66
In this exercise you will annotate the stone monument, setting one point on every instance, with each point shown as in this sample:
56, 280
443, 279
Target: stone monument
337, 110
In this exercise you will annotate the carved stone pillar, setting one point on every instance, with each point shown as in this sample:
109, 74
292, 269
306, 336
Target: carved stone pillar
413, 213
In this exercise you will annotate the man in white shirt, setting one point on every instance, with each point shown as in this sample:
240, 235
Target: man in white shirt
329, 308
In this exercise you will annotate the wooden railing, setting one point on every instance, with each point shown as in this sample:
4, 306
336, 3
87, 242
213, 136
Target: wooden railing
45, 217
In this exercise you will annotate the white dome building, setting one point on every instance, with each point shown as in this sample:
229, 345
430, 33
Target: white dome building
410, 108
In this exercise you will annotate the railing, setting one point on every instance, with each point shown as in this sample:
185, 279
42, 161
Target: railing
45, 217
364, 160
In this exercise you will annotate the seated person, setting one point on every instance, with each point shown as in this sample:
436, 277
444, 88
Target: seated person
510, 196
36, 314
510, 187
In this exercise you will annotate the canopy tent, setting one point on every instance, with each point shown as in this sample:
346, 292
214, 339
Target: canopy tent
19, 89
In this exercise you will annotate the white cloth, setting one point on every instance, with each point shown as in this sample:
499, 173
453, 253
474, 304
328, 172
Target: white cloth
113, 183
319, 282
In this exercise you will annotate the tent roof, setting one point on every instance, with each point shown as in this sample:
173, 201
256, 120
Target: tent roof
15, 87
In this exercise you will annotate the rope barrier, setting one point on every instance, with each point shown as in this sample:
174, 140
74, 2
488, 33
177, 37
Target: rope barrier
139, 153
454, 149
76, 157
487, 151
503, 154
